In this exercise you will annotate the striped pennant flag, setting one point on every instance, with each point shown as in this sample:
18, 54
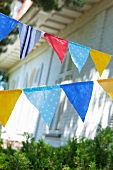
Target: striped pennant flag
28, 38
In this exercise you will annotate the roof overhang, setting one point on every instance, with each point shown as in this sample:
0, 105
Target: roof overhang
51, 22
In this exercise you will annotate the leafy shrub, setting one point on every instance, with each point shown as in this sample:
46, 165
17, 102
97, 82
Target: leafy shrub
87, 154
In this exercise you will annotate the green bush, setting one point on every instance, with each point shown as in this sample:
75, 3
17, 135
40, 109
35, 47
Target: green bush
77, 154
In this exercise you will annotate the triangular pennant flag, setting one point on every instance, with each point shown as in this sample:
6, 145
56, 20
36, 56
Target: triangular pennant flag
8, 100
45, 99
59, 45
107, 85
28, 38
79, 95
7, 24
100, 59
79, 54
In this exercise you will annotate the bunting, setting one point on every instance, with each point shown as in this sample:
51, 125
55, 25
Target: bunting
101, 60
79, 95
7, 24
45, 99
79, 54
8, 99
28, 39
107, 85
29, 36
59, 45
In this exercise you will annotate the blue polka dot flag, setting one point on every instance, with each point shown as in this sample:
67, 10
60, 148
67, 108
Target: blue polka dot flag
45, 99
7, 24
79, 95
79, 54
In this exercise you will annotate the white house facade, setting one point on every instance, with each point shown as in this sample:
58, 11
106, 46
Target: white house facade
91, 26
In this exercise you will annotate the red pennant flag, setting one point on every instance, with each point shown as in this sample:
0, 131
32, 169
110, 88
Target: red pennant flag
60, 45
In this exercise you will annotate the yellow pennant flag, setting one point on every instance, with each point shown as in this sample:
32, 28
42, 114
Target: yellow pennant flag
107, 85
8, 100
101, 60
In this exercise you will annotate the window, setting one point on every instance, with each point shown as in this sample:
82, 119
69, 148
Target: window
37, 77
25, 80
12, 84
36, 82
65, 75
30, 83
16, 83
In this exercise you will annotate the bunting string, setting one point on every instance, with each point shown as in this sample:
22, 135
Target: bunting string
29, 36
46, 98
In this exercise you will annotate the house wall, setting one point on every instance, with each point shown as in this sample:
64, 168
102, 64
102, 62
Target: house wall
93, 29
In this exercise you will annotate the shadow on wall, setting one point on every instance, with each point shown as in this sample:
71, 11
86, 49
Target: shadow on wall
100, 108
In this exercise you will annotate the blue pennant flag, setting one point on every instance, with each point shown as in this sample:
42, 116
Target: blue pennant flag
7, 24
45, 99
79, 54
28, 38
79, 95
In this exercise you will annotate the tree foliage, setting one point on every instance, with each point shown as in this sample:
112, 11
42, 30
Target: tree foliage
5, 6
44, 5
57, 5
3, 76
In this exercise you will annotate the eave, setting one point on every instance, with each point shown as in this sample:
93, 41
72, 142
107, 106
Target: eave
51, 22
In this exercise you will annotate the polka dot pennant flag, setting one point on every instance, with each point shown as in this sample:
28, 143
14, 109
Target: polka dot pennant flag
29, 36
79, 54
79, 95
45, 99
7, 24
59, 45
